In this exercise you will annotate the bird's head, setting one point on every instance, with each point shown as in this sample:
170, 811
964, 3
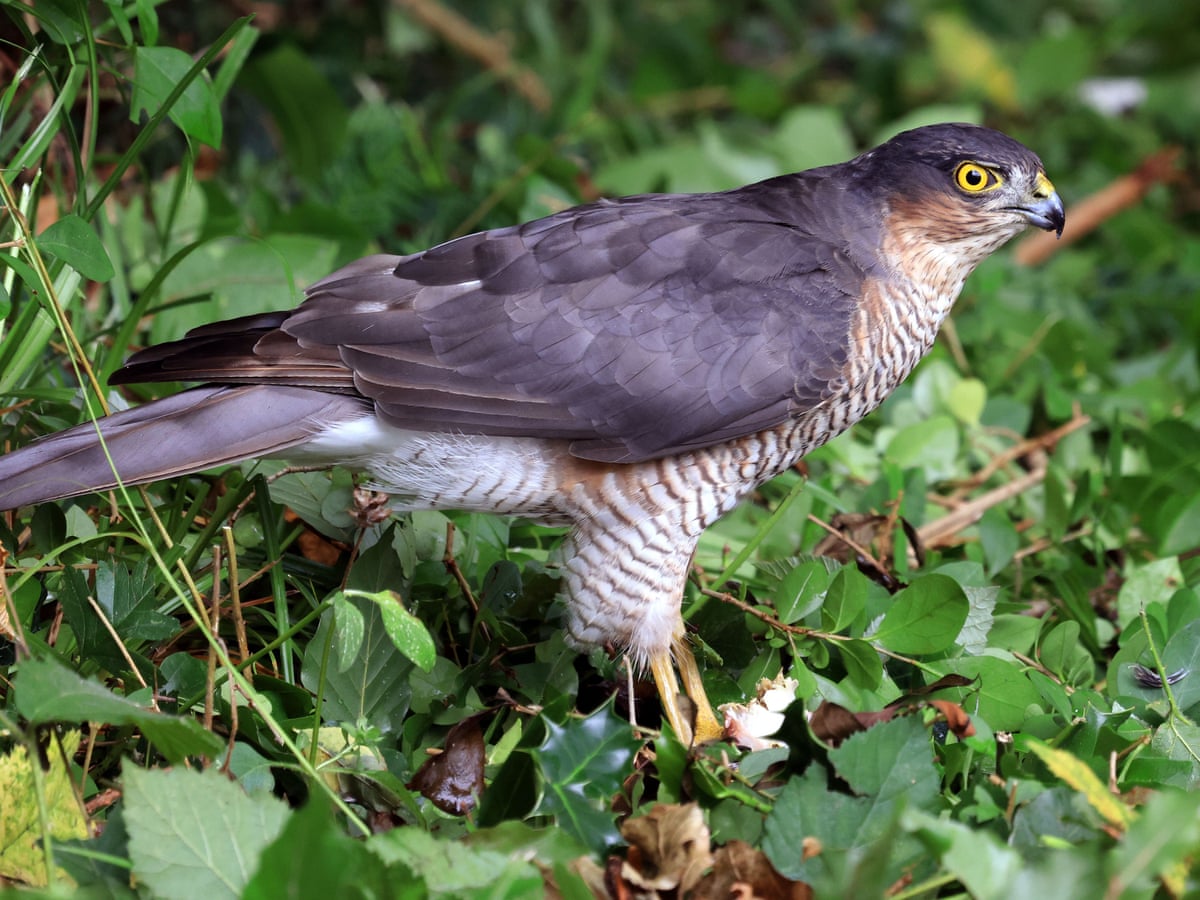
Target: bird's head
961, 190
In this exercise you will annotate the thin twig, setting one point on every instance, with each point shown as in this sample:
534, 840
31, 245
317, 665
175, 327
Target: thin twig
120, 646
235, 597
799, 630
492, 53
451, 565
858, 548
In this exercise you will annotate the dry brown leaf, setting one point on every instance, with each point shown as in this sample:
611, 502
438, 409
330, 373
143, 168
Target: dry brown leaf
956, 718
745, 873
669, 848
453, 779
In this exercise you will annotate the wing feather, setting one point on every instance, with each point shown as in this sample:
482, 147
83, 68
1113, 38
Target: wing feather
632, 328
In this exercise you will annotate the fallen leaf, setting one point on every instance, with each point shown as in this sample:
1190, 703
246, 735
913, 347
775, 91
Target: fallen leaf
453, 779
669, 848
742, 872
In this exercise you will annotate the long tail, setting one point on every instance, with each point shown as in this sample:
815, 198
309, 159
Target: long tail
188, 432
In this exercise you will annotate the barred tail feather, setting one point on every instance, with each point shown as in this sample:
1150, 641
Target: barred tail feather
178, 435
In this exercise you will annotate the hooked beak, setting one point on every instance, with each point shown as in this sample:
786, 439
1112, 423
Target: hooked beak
1046, 208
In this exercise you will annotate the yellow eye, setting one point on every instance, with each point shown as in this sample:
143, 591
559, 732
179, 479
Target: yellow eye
975, 178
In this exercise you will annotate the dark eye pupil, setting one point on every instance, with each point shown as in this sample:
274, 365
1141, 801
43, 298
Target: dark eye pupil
974, 177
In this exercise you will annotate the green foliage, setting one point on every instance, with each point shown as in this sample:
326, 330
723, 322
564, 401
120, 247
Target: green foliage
1017, 525
196, 832
26, 828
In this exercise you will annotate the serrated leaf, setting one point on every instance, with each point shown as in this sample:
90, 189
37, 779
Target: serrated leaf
454, 869
584, 763
406, 631
21, 854
76, 243
197, 112
925, 617
890, 759
47, 691
890, 766
974, 634
984, 865
808, 813
196, 834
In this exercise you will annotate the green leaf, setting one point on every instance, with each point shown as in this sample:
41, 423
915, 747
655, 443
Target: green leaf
984, 865
999, 539
157, 70
1152, 583
863, 665
454, 869
810, 136
349, 629
306, 108
75, 242
802, 590
373, 686
845, 599
407, 632
974, 635
932, 444
925, 617
584, 763
1165, 836
22, 857
242, 276
966, 400
196, 834
48, 692
1002, 694
314, 857
888, 767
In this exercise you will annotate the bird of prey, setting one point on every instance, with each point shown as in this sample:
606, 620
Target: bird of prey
630, 368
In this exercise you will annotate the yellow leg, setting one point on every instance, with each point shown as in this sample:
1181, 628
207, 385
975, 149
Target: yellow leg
706, 727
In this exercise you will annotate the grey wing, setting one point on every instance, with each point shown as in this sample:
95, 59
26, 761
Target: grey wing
633, 329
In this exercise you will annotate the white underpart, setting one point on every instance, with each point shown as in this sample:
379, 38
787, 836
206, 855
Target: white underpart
428, 470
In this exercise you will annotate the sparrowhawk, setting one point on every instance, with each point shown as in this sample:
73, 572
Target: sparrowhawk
630, 368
